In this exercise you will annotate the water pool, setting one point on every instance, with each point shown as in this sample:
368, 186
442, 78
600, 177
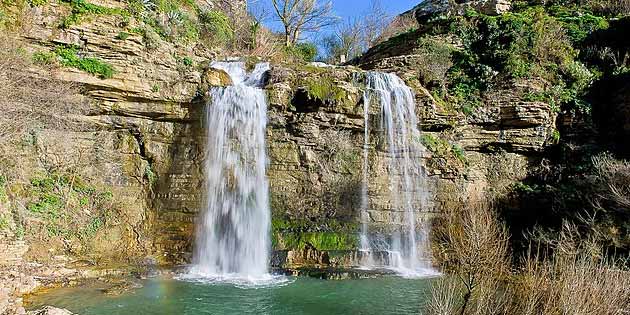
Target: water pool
383, 295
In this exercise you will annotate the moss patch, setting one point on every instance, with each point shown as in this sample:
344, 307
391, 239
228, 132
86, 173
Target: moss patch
326, 235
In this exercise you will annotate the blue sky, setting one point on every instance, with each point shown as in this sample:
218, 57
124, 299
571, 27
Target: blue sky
352, 8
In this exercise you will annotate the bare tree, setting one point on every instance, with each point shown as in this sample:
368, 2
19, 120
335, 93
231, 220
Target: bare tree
303, 16
346, 42
375, 22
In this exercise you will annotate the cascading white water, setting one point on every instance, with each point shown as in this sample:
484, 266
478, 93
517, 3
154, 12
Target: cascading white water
367, 260
407, 247
233, 235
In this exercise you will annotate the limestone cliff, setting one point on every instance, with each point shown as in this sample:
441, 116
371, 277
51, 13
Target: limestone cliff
143, 141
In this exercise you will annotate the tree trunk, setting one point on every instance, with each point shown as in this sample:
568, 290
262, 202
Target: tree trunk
287, 36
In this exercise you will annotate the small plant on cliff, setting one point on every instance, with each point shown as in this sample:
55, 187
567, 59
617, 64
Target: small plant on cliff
69, 57
122, 35
66, 205
44, 58
80, 8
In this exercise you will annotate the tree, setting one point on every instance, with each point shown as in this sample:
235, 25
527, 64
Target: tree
346, 42
375, 21
357, 35
303, 16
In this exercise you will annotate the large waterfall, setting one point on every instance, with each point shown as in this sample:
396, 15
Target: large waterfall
233, 235
407, 244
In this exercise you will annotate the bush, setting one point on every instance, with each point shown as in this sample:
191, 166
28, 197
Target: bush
122, 35
474, 246
44, 58
303, 51
37, 3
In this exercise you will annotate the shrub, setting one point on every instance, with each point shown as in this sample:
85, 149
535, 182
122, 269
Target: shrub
28, 102
122, 35
563, 273
69, 58
474, 246
303, 51
216, 26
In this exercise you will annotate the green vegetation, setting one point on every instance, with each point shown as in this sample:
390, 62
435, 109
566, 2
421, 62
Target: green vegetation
67, 206
37, 3
531, 42
81, 8
3, 189
323, 88
296, 234
149, 174
44, 58
122, 35
443, 148
4, 223
319, 240
155, 88
68, 56
304, 51
217, 25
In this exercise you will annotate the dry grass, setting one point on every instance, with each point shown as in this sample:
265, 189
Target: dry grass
399, 25
474, 247
615, 178
576, 278
567, 273
28, 102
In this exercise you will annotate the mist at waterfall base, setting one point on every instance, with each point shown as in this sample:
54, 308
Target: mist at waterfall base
233, 235
407, 246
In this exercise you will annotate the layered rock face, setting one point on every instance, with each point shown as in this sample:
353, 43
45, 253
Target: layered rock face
430, 9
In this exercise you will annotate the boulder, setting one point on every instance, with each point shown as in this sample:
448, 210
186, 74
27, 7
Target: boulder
216, 77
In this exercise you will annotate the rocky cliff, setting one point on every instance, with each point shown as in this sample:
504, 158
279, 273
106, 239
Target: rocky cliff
143, 139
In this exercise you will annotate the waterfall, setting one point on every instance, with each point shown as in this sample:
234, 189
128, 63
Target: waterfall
233, 234
407, 245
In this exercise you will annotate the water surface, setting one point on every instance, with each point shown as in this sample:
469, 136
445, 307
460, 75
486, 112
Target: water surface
385, 295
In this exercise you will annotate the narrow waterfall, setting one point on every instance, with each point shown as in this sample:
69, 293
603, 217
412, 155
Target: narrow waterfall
407, 244
233, 235
367, 259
